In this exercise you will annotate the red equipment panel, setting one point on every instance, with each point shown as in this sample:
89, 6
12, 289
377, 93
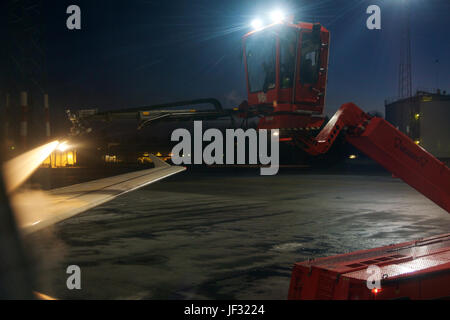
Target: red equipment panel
413, 270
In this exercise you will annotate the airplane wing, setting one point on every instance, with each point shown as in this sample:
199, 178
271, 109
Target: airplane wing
36, 210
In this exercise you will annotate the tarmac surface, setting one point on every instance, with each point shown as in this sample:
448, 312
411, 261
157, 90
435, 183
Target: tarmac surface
226, 234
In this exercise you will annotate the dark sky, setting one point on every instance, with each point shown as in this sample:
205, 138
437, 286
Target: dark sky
132, 53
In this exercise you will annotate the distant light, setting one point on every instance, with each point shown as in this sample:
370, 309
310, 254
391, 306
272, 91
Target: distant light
417, 142
277, 16
417, 116
276, 133
352, 156
257, 24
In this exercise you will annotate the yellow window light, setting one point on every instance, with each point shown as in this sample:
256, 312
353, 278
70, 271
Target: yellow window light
70, 158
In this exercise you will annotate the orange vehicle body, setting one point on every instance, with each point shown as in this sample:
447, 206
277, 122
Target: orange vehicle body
300, 104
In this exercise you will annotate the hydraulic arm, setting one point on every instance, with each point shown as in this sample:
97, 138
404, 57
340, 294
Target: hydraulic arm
389, 147
412, 270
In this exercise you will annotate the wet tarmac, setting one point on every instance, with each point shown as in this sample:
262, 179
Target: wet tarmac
229, 235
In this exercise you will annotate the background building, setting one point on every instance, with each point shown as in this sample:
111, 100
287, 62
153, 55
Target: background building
425, 119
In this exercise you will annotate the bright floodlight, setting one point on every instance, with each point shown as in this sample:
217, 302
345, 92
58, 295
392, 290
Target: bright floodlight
277, 16
63, 146
257, 24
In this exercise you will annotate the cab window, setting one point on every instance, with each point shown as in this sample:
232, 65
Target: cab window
288, 45
310, 59
260, 50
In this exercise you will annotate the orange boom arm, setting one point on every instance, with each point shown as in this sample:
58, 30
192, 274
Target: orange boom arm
392, 149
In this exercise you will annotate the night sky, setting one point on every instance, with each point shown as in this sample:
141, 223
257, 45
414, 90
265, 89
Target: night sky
132, 53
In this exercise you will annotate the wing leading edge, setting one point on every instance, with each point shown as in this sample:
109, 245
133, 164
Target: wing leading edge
36, 210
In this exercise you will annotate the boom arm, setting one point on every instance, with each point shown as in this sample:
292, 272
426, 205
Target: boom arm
389, 147
149, 114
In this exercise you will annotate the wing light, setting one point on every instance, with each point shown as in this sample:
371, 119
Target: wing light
17, 170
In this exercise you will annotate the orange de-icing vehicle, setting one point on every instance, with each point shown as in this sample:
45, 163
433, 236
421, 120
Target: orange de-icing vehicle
286, 67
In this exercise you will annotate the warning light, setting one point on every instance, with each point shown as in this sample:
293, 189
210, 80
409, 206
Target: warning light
417, 142
376, 290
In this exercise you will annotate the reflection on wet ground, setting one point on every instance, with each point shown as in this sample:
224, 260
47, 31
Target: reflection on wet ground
227, 236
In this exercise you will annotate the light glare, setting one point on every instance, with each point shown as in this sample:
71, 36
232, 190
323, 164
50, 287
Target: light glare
277, 16
17, 170
63, 146
257, 24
